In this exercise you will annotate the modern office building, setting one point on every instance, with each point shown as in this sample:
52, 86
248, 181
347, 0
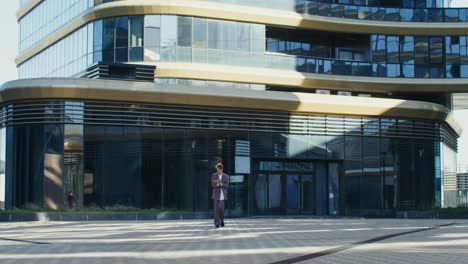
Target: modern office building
315, 107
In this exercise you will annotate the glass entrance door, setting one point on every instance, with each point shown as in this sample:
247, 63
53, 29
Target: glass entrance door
296, 187
268, 193
308, 194
299, 193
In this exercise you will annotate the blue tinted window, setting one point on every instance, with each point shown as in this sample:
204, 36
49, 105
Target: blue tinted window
108, 37
408, 71
452, 71
378, 43
421, 50
407, 49
436, 48
393, 43
451, 15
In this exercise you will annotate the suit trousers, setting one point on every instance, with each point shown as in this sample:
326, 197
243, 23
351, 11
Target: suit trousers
218, 207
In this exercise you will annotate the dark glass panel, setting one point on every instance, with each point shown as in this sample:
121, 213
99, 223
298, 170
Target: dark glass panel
372, 184
420, 4
184, 31
324, 9
108, 37
136, 31
341, 67
351, 12
437, 71
135, 54
463, 15
300, 6
312, 7
389, 172
463, 71
408, 71
463, 50
337, 10
408, 3
392, 14
311, 65
452, 71
121, 39
272, 45
26, 166
393, 43
421, 49
393, 70
352, 186
452, 49
436, 15
113, 166
378, 43
407, 49
420, 15
451, 15
417, 174
406, 15
436, 50
378, 13
422, 71
364, 69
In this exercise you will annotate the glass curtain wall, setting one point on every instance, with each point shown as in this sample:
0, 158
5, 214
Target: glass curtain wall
196, 40
361, 172
48, 17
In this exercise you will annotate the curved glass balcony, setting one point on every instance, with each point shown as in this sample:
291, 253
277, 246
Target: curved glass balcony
361, 12
304, 64
358, 11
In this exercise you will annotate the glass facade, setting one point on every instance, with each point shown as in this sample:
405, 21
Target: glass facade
449, 176
197, 40
128, 155
368, 167
48, 17
68, 57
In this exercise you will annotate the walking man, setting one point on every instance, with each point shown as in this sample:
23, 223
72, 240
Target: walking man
220, 185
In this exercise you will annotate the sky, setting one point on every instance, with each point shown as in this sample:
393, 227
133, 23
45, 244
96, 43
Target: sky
8, 47
9, 50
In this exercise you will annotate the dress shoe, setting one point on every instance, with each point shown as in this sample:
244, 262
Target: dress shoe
222, 223
216, 226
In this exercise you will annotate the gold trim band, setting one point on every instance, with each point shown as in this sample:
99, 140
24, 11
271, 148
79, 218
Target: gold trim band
307, 80
27, 8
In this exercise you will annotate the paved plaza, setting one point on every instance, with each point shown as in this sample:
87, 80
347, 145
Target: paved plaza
244, 240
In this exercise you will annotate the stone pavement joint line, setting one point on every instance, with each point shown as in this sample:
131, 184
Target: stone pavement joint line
24, 241
356, 244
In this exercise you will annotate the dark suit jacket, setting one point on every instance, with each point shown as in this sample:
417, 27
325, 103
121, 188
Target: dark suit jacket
217, 190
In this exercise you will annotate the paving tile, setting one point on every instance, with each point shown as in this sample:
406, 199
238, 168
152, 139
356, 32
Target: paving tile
243, 240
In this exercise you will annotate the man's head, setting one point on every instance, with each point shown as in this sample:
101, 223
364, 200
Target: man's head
219, 168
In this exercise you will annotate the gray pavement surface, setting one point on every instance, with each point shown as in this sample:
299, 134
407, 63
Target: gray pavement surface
244, 240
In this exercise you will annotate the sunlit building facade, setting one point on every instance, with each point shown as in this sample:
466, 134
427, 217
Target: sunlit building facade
339, 108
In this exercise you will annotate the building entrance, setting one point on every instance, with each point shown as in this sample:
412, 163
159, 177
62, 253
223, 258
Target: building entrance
295, 187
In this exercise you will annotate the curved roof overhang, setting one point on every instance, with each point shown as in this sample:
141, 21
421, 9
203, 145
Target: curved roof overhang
107, 90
